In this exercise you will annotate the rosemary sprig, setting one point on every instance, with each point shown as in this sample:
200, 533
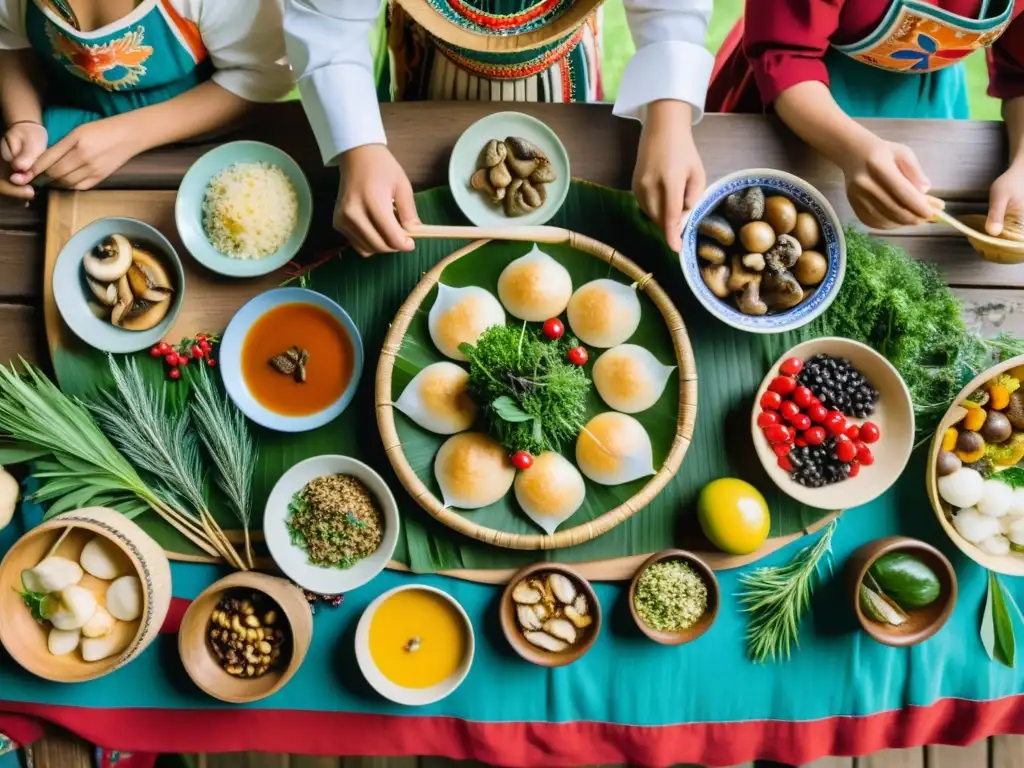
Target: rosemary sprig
226, 440
777, 596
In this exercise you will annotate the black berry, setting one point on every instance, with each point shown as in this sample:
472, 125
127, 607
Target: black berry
839, 385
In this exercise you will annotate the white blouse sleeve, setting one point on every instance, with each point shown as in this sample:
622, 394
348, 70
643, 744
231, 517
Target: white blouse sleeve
328, 44
246, 46
12, 25
671, 61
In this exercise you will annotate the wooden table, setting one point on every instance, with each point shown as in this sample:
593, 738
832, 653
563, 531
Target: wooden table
961, 158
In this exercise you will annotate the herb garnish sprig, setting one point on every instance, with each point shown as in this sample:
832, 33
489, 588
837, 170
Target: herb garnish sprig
532, 398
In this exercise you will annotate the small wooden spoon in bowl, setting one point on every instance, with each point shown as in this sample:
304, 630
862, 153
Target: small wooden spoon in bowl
1001, 250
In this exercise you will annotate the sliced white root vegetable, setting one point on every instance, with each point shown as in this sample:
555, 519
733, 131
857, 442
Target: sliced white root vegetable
995, 498
63, 641
545, 641
52, 575
101, 558
96, 648
77, 605
995, 545
124, 598
100, 624
528, 618
974, 526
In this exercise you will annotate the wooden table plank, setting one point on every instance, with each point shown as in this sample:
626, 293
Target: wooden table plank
21, 264
894, 758
972, 756
1007, 752
14, 214
20, 333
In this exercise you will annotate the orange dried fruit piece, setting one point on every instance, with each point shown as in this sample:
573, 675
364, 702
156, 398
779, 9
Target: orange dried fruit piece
975, 418
999, 397
949, 439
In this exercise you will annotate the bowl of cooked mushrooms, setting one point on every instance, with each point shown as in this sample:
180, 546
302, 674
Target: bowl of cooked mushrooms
118, 284
763, 251
509, 169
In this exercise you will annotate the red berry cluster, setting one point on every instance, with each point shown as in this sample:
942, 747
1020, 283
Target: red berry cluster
177, 357
554, 330
791, 416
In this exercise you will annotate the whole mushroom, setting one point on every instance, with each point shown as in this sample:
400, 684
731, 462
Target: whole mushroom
740, 276
784, 254
1014, 410
750, 301
717, 228
710, 251
110, 260
494, 153
523, 156
716, 277
754, 261
745, 206
780, 290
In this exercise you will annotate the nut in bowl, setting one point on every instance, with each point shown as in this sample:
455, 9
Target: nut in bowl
763, 251
902, 590
550, 614
673, 597
833, 423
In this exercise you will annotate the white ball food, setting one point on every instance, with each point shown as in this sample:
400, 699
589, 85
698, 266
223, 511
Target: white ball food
963, 488
535, 287
995, 545
974, 526
124, 598
473, 471
995, 498
629, 378
100, 624
550, 491
1015, 531
97, 648
438, 400
101, 558
604, 313
1016, 503
61, 642
77, 605
52, 575
614, 448
460, 316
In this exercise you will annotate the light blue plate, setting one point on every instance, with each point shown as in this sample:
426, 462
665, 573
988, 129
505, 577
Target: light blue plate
188, 208
833, 247
72, 294
231, 359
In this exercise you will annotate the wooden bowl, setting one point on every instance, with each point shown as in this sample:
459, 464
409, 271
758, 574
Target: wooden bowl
894, 416
514, 635
924, 622
703, 624
1011, 564
1000, 250
201, 664
25, 638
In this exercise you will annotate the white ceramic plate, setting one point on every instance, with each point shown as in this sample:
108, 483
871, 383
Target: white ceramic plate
293, 560
412, 697
465, 160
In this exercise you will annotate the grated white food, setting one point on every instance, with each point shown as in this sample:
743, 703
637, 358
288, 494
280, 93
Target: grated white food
250, 210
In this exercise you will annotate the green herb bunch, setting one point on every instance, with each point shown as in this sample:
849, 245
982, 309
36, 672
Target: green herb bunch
532, 398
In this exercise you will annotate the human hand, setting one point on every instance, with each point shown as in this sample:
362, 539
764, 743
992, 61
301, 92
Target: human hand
886, 185
9, 189
375, 201
1006, 199
87, 155
669, 176
22, 144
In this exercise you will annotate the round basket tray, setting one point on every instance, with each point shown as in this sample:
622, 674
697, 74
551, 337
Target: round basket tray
686, 412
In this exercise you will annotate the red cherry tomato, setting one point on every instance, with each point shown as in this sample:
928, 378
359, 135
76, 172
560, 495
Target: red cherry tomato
164, 347
852, 432
817, 412
767, 418
155, 351
553, 328
197, 351
792, 366
815, 436
771, 401
846, 451
785, 463
854, 469
174, 374
800, 441
782, 384
776, 433
522, 460
171, 359
782, 449
182, 361
835, 423
789, 409
801, 421
802, 396
578, 355
864, 455
211, 362
869, 432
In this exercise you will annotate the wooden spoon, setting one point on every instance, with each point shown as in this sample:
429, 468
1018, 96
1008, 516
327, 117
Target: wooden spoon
528, 234
996, 249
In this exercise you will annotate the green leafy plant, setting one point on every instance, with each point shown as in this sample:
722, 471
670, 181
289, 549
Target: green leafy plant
1013, 477
37, 603
997, 623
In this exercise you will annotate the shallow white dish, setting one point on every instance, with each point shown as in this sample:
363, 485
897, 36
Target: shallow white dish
292, 559
411, 697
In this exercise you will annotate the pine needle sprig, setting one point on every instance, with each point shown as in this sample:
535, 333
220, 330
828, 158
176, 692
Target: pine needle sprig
776, 598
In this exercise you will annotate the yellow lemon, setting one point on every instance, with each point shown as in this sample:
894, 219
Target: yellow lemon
733, 515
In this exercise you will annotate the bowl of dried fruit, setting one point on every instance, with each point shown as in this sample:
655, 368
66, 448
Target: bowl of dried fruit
245, 636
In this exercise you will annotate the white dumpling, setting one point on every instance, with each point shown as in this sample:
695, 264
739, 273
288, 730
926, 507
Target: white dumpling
473, 471
535, 287
550, 491
438, 400
614, 448
604, 313
629, 378
460, 315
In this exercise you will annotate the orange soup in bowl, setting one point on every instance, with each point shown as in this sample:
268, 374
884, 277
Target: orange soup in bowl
297, 359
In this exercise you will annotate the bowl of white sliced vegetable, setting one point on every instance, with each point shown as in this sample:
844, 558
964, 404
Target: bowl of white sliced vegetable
82, 594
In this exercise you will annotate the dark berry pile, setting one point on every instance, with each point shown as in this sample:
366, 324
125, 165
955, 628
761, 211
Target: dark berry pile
839, 385
817, 466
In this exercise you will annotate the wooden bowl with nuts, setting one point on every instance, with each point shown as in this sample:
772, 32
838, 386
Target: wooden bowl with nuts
245, 636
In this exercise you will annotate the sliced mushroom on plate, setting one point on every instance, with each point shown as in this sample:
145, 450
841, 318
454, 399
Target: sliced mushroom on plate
128, 285
551, 610
513, 174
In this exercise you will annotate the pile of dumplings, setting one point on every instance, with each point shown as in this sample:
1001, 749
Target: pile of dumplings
472, 469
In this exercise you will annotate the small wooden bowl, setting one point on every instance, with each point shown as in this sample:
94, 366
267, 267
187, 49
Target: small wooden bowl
924, 622
710, 613
201, 664
514, 635
1000, 250
25, 638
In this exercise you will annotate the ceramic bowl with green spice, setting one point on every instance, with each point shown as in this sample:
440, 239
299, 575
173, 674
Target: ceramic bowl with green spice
674, 597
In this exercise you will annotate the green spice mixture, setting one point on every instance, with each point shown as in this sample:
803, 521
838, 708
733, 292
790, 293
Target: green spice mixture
336, 520
670, 596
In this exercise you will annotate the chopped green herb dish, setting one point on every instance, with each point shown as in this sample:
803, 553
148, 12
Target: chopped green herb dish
336, 520
670, 596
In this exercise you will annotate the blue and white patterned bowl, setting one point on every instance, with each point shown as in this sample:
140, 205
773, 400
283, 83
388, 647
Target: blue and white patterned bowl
833, 247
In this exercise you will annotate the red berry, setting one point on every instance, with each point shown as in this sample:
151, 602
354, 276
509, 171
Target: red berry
201, 337
802, 396
792, 366
815, 436
578, 356
854, 469
164, 347
211, 362
522, 460
767, 418
197, 352
205, 346
846, 451
869, 432
553, 328
771, 401
817, 412
785, 463
801, 421
835, 423
782, 449
864, 455
852, 432
182, 361
155, 351
800, 442
776, 433
789, 409
782, 384
171, 359
791, 431
174, 374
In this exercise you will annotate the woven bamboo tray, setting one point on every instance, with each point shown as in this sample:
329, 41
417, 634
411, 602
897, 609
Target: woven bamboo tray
686, 417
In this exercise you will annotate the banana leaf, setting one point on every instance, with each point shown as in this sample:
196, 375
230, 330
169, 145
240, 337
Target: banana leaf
730, 366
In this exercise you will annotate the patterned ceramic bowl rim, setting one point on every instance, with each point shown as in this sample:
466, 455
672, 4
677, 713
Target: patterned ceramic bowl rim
805, 196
